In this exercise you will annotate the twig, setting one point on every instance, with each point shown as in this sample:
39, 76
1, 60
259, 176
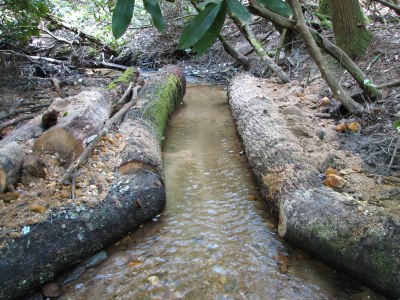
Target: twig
66, 179
12, 112
393, 155
16, 120
389, 84
59, 39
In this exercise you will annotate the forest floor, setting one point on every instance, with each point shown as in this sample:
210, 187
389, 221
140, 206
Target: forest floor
364, 155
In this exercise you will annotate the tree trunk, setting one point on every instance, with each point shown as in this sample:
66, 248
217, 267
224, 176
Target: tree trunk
144, 124
349, 24
325, 7
81, 117
339, 93
137, 196
311, 215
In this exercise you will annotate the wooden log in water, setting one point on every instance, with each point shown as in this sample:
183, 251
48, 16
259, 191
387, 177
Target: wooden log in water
67, 238
144, 124
311, 215
80, 117
54, 246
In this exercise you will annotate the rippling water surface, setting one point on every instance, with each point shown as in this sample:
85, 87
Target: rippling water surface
215, 239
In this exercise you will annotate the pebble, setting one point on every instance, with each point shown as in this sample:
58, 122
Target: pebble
51, 290
154, 280
14, 235
320, 134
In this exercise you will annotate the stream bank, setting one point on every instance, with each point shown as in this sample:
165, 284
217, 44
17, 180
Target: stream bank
325, 201
127, 190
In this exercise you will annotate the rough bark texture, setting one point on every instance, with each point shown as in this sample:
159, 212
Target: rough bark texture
11, 158
81, 116
144, 124
57, 244
349, 25
54, 246
312, 216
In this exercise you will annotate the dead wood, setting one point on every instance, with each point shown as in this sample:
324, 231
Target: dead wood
84, 157
16, 120
82, 116
12, 155
144, 124
83, 35
15, 111
311, 215
338, 92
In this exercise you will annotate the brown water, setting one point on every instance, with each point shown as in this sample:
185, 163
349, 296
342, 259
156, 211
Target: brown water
215, 239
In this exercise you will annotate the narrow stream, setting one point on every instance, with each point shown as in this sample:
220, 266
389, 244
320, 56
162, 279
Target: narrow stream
215, 239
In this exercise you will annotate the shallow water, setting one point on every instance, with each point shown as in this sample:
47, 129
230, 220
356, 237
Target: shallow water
216, 239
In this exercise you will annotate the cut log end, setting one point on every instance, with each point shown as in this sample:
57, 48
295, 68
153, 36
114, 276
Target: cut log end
133, 167
59, 141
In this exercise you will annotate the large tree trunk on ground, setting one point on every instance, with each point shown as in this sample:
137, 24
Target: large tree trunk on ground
55, 245
81, 117
312, 216
144, 124
349, 24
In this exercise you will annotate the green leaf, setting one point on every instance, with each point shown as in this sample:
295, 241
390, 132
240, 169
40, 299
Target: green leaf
208, 39
202, 5
199, 26
277, 6
122, 16
396, 124
153, 8
238, 9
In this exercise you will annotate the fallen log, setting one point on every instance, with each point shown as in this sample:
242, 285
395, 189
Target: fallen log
311, 215
83, 116
144, 124
55, 245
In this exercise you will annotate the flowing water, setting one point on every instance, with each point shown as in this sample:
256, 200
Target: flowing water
215, 239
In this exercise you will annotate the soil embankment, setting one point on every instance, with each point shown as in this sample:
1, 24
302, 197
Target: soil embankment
137, 194
319, 190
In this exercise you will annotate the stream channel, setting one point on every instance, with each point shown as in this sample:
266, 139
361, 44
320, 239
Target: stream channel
216, 239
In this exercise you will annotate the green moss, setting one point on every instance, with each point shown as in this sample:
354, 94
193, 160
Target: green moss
160, 109
126, 78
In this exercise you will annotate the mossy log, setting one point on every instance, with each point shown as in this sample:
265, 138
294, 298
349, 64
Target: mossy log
80, 117
144, 124
311, 215
55, 245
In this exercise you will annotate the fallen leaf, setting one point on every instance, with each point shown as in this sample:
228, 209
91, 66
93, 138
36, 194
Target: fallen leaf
134, 263
341, 127
37, 208
335, 181
8, 197
325, 101
354, 126
330, 171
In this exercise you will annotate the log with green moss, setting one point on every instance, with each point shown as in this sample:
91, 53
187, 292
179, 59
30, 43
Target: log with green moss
312, 216
53, 246
145, 123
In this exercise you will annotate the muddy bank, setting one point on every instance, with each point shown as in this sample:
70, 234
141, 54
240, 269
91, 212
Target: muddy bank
137, 194
290, 149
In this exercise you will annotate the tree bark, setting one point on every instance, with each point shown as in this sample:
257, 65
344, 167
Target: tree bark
81, 116
349, 25
313, 49
144, 124
311, 215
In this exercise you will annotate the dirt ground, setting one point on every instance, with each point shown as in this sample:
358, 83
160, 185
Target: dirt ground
361, 157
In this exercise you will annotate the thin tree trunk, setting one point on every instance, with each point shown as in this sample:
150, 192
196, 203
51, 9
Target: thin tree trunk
315, 53
249, 35
349, 25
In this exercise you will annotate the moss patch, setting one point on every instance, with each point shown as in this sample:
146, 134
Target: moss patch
125, 78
